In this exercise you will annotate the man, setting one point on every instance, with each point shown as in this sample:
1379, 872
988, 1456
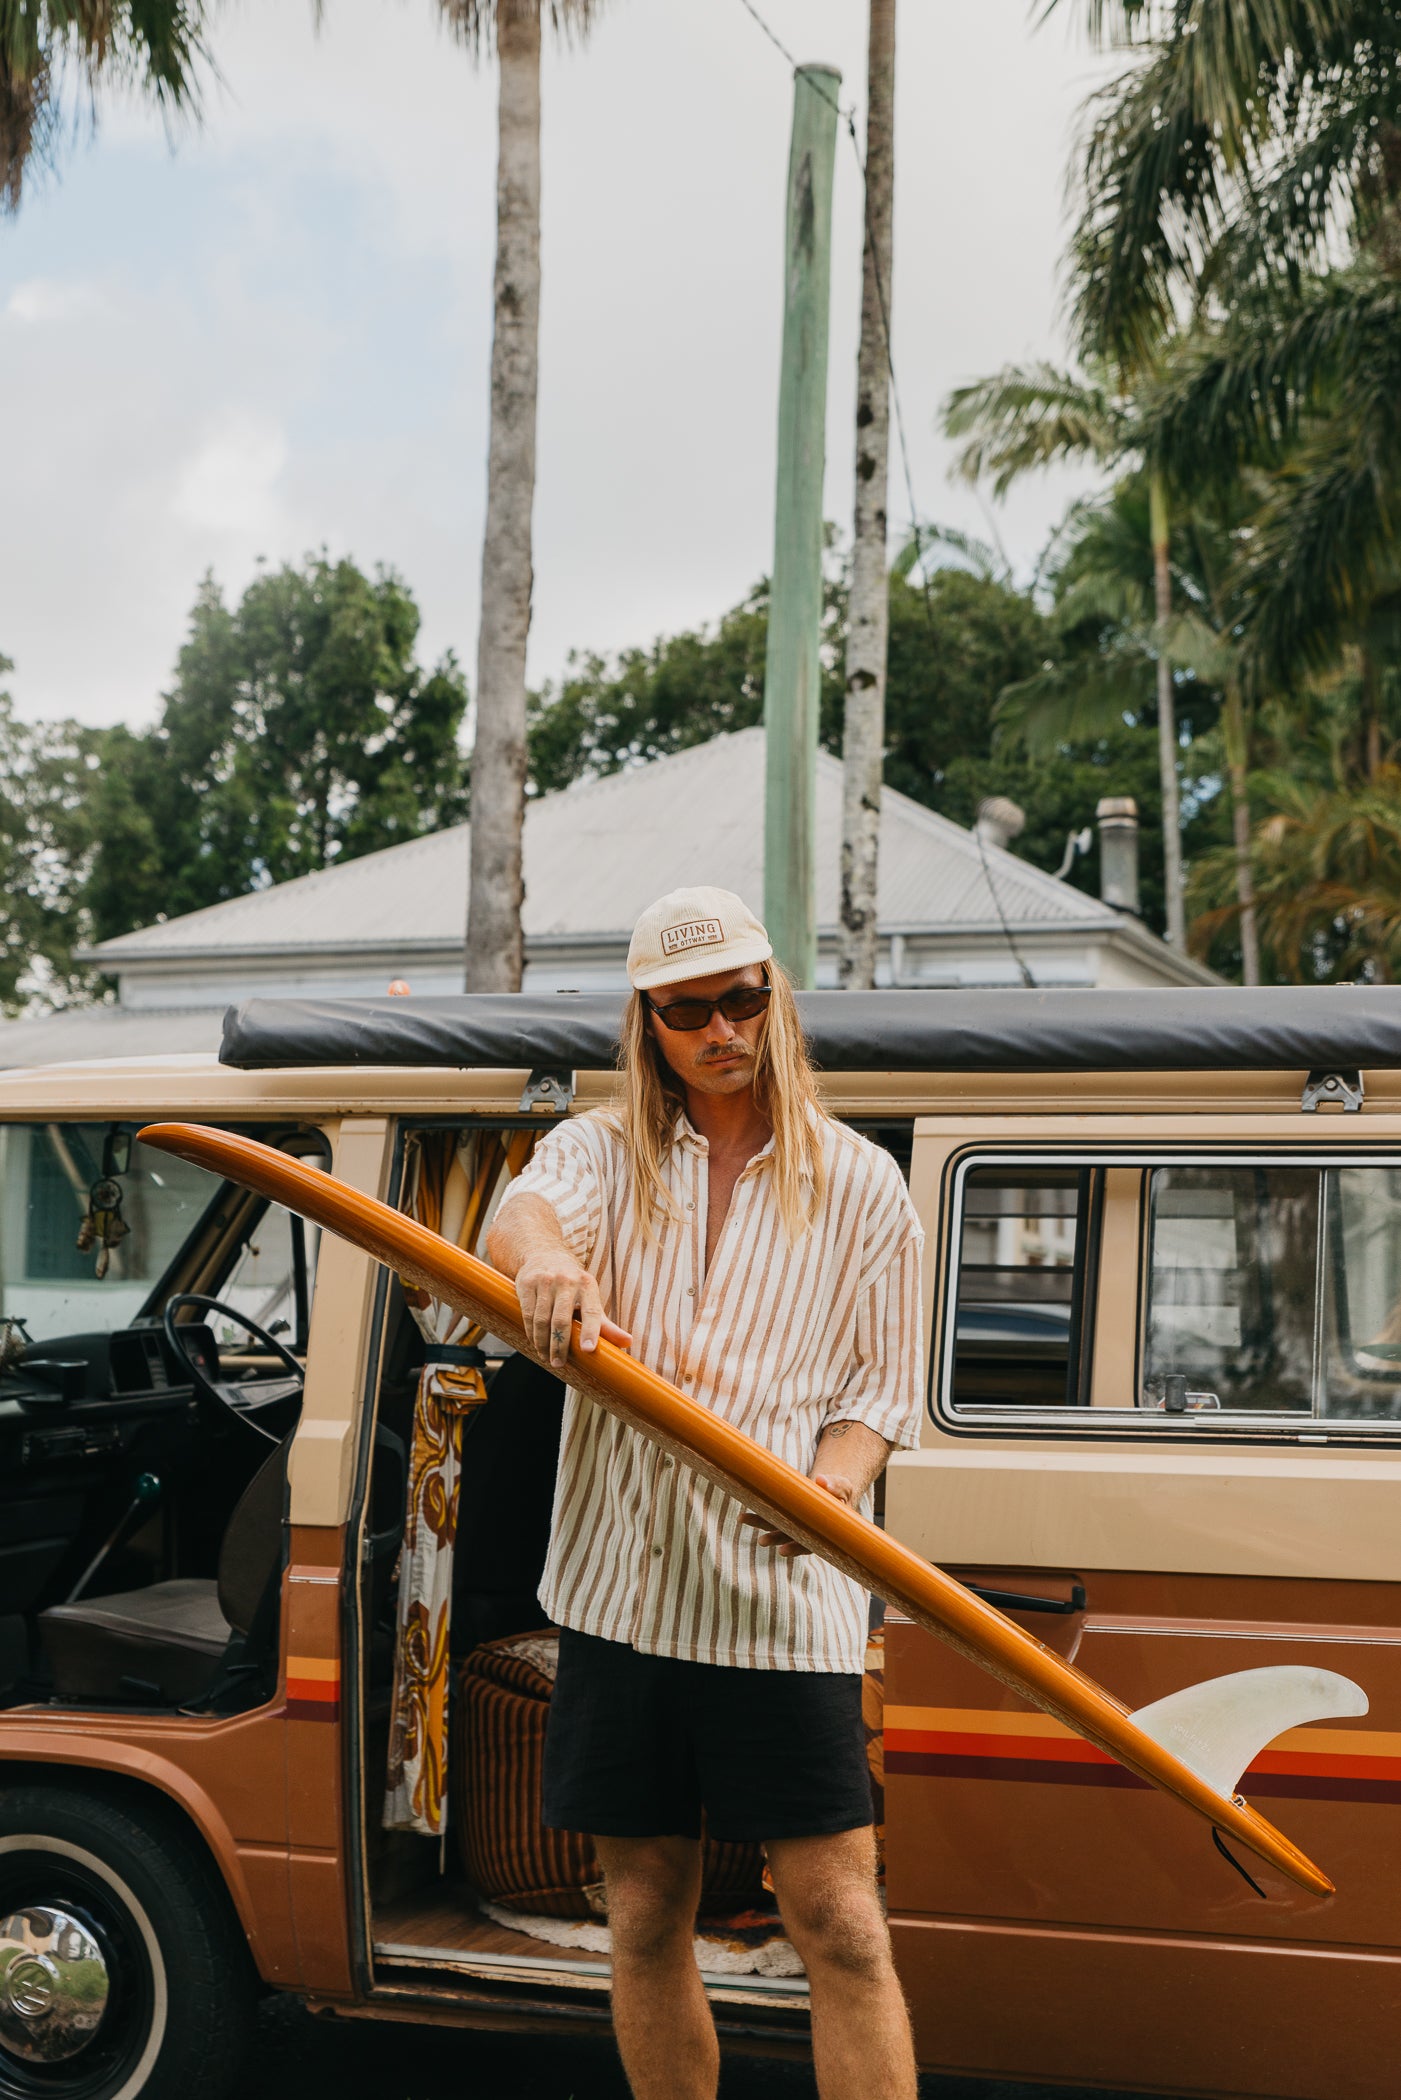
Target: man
765, 1259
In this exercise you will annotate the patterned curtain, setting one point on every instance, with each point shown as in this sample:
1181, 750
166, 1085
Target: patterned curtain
450, 1181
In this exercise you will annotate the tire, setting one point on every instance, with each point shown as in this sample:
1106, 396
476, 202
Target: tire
123, 1970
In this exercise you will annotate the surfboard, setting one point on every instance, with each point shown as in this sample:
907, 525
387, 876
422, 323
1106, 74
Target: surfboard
1193, 1745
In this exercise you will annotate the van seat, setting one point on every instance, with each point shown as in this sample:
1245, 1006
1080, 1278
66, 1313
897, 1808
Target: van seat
164, 1642
164, 1645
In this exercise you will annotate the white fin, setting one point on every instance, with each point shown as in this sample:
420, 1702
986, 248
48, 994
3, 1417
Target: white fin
1219, 1728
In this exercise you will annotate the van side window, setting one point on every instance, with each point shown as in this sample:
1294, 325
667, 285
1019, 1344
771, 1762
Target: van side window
1118, 1286
1362, 1292
1024, 1258
1232, 1256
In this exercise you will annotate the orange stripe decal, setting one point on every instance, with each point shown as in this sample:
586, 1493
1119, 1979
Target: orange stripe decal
313, 1688
972, 1742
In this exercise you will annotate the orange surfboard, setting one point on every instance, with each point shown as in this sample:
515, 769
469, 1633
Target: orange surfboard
1211, 1722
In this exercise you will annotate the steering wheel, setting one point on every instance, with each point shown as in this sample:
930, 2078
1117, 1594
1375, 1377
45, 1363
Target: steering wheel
239, 1400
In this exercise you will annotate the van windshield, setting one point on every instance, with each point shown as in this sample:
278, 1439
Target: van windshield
47, 1171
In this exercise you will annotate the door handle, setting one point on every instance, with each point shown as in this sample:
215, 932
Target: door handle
1017, 1600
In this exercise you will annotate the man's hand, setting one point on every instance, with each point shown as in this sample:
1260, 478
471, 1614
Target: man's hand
552, 1288
526, 1243
843, 1490
849, 1456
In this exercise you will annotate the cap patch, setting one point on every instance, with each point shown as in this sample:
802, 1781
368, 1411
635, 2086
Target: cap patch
692, 933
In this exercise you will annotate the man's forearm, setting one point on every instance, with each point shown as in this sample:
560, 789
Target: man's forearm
851, 1453
525, 1226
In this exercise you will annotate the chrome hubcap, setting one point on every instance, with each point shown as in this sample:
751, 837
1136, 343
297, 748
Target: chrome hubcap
53, 1984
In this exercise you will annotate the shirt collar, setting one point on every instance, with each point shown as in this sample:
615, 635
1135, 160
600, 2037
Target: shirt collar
686, 1134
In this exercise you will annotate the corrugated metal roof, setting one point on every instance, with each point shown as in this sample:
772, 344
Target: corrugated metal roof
103, 1033
597, 854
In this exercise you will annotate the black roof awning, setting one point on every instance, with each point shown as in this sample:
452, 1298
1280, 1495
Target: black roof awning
1206, 1029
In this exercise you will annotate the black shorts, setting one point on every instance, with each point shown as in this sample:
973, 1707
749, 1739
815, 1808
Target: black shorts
647, 1746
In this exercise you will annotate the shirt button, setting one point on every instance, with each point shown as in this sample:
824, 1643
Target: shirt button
690, 1206
666, 1458
656, 1553
690, 1290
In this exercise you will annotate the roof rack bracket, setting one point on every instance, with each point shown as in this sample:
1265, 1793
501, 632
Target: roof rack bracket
547, 1089
1343, 1090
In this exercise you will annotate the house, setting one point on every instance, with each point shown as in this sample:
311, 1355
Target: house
955, 909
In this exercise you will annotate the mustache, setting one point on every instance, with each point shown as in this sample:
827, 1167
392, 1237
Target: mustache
737, 1048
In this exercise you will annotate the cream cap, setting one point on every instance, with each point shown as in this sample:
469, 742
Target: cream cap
694, 933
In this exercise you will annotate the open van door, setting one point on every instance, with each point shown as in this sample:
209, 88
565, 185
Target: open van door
1165, 1412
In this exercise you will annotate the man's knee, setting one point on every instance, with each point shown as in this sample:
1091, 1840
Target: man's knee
830, 1906
652, 1887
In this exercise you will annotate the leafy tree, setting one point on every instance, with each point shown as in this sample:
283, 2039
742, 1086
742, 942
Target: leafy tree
45, 771
300, 731
952, 647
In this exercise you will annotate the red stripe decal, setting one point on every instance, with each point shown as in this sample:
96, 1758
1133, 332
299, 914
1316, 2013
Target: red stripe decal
1044, 1771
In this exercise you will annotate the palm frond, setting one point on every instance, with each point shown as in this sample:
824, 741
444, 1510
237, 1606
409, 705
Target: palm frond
157, 46
473, 22
1073, 703
1027, 416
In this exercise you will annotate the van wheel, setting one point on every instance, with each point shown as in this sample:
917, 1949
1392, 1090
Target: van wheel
122, 1968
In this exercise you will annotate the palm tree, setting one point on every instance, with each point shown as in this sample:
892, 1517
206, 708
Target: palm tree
1309, 392
1251, 148
868, 605
1105, 614
1026, 417
156, 45
1249, 141
495, 946
1327, 872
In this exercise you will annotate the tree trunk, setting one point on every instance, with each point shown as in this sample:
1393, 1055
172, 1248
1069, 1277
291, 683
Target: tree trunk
1237, 769
494, 941
863, 730
1167, 718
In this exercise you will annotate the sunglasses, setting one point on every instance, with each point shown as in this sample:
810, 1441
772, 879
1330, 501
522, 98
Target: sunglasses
741, 1003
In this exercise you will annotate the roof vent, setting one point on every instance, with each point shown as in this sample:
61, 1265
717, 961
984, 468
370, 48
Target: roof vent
1117, 818
1000, 820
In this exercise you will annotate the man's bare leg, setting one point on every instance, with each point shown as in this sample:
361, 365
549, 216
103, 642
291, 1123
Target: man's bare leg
861, 2042
661, 2016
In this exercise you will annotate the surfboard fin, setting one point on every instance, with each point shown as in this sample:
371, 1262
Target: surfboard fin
1219, 1727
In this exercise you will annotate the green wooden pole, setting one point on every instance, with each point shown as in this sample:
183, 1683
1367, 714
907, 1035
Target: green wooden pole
792, 671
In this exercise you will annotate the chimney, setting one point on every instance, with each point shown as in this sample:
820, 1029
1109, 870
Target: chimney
1117, 818
1000, 820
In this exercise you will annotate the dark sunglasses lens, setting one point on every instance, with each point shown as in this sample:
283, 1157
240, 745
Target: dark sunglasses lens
744, 1002
685, 1015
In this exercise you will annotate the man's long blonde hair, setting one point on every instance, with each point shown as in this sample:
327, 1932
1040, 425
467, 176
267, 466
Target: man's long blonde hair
650, 1098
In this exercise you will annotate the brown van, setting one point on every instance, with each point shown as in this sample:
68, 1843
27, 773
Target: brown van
254, 1734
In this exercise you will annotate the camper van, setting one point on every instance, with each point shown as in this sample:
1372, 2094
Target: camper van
271, 1720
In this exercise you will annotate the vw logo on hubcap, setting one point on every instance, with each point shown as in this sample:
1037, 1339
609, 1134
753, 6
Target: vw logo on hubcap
29, 1985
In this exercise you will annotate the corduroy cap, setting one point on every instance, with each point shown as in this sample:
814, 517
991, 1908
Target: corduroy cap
694, 933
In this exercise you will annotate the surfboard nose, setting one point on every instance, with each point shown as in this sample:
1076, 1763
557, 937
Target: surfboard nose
1219, 1727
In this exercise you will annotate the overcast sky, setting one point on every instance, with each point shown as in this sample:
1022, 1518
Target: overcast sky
273, 333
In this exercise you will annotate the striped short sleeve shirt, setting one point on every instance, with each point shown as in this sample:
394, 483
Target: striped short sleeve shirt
781, 1339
